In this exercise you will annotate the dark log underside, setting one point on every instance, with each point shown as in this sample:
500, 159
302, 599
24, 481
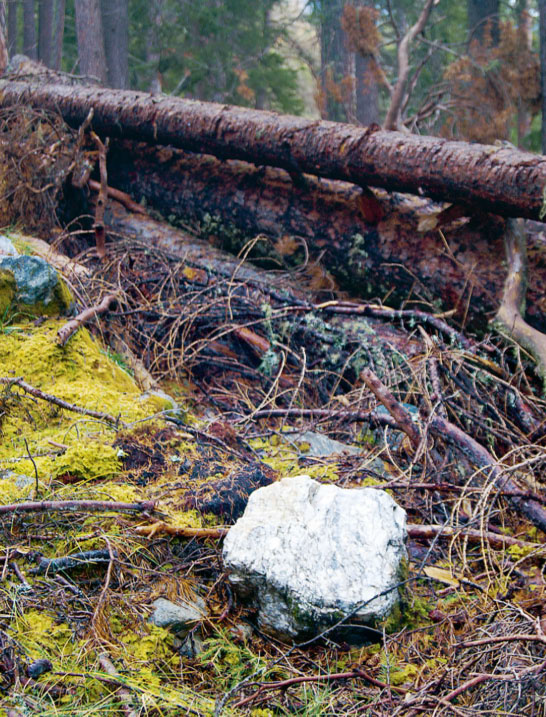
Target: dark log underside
381, 256
501, 180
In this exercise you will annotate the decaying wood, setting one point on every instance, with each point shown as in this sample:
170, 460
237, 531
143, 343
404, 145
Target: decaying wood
496, 179
102, 196
510, 312
388, 247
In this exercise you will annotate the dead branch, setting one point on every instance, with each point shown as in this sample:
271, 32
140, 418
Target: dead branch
100, 233
37, 393
509, 315
496, 540
70, 328
68, 562
84, 506
119, 196
400, 415
392, 120
124, 695
161, 528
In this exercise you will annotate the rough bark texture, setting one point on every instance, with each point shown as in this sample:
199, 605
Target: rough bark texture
12, 27
4, 57
59, 34
115, 21
368, 254
483, 20
45, 32
497, 179
90, 39
30, 48
542, 33
334, 59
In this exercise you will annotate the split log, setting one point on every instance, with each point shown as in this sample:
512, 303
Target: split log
375, 246
501, 180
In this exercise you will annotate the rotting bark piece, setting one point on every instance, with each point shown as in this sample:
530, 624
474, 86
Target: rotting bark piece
497, 179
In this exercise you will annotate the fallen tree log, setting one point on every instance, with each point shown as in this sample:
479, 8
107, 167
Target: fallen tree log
501, 180
375, 246
252, 341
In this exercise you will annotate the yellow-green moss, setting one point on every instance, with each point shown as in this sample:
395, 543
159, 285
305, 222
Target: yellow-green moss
78, 373
7, 293
89, 460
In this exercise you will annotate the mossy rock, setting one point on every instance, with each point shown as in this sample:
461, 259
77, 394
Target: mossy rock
34, 288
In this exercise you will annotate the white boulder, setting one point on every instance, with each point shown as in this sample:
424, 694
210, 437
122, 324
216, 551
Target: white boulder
306, 555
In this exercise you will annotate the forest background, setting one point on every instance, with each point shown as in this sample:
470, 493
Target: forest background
466, 70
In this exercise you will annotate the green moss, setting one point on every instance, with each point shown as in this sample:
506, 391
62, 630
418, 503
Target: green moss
7, 293
89, 460
78, 373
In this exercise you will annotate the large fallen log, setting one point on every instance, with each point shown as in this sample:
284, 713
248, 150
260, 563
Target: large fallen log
501, 180
253, 341
375, 247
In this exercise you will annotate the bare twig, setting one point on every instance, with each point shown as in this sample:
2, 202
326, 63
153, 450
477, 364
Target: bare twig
509, 315
100, 232
68, 562
70, 328
73, 506
400, 415
497, 540
164, 528
124, 695
119, 196
37, 393
392, 120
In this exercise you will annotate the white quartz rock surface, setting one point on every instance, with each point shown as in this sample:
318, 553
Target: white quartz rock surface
307, 554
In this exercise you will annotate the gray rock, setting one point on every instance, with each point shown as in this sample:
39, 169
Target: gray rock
36, 280
180, 618
191, 646
6, 247
20, 479
307, 555
321, 445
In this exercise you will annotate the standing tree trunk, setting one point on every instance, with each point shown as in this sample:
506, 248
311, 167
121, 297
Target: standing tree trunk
333, 55
3, 38
12, 27
542, 12
483, 21
525, 33
90, 39
59, 34
29, 30
45, 32
153, 50
115, 23
367, 91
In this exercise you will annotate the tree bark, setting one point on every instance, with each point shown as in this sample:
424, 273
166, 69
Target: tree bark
334, 60
45, 32
90, 39
542, 33
58, 34
115, 20
4, 56
495, 179
373, 247
12, 27
30, 48
483, 21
